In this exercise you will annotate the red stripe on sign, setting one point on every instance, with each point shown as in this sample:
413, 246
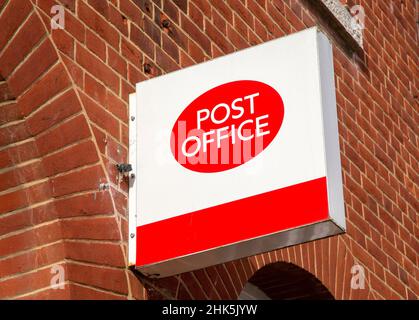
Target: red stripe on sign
244, 219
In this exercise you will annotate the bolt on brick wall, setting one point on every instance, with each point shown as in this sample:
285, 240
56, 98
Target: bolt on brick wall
64, 126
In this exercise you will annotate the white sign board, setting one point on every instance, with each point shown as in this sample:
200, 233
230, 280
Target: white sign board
235, 156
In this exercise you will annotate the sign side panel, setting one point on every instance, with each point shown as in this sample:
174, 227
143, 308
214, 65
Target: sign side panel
331, 133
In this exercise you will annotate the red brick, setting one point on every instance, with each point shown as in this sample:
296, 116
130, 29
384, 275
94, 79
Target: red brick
54, 112
178, 36
90, 228
105, 278
5, 96
204, 6
49, 293
63, 135
130, 52
206, 284
96, 45
193, 286
31, 238
102, 118
46, 5
84, 205
52, 83
11, 18
97, 68
261, 31
395, 284
13, 133
70, 158
32, 259
243, 12
182, 4
196, 15
16, 154
95, 252
118, 20
38, 62
146, 6
185, 60
85, 293
223, 8
261, 15
196, 34
24, 41
20, 175
142, 41
170, 10
14, 222
75, 28
116, 62
98, 24
230, 266
165, 61
134, 75
182, 294
170, 47
218, 283
69, 4
236, 39
137, 289
26, 283
102, 7
218, 38
152, 30
117, 107
77, 181
121, 202
110, 168
116, 152
96, 90
64, 42
126, 89
130, 10
101, 139
75, 72
222, 272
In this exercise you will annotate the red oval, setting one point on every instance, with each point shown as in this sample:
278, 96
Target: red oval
227, 126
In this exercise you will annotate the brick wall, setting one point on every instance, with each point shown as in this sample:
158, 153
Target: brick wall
63, 127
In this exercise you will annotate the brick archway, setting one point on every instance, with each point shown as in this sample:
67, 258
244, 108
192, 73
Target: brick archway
325, 264
286, 281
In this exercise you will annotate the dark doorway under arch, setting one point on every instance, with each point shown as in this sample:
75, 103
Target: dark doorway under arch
284, 281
